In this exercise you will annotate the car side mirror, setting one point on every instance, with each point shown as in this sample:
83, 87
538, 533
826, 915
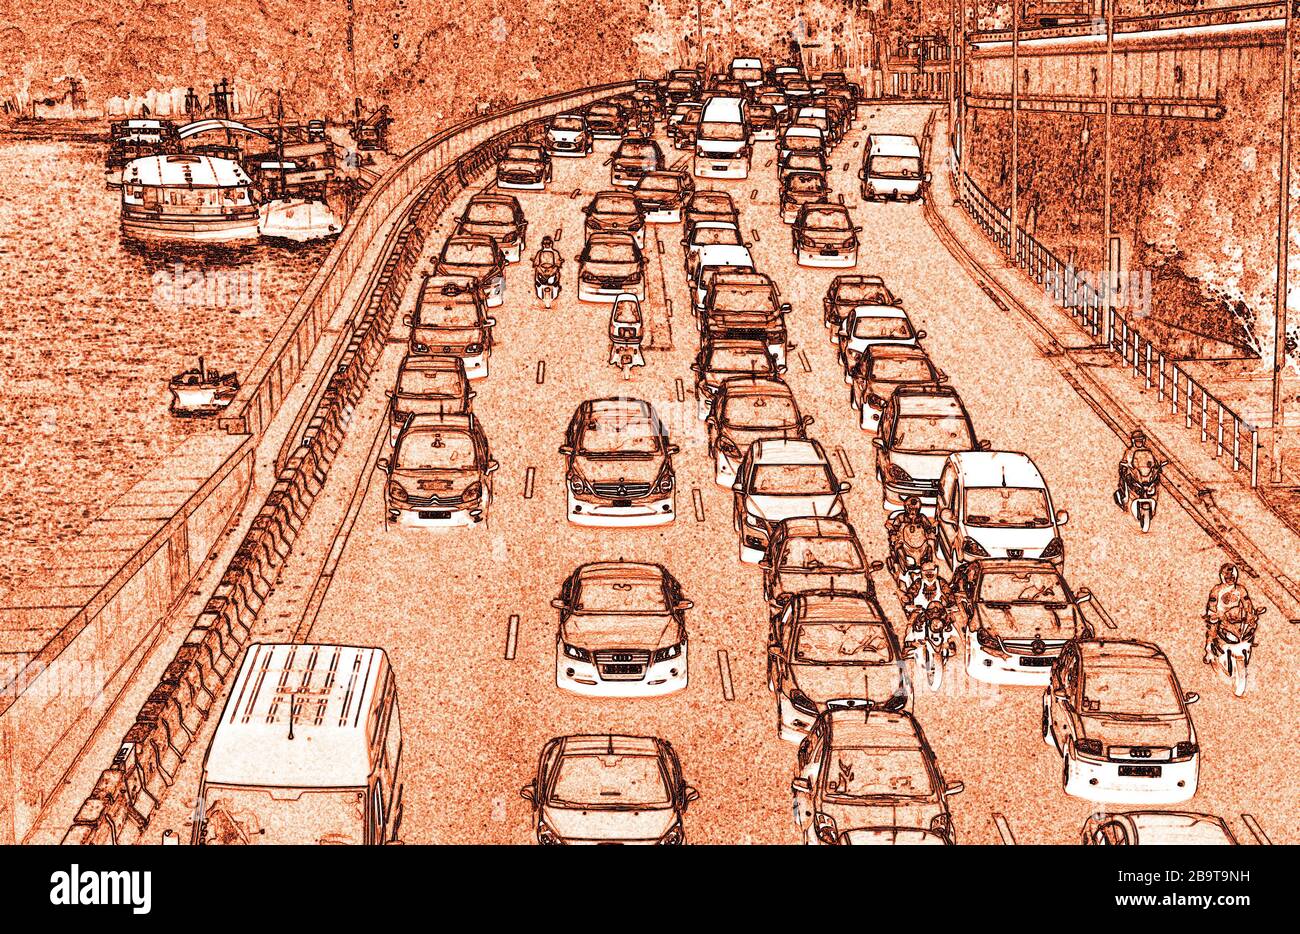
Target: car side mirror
406, 320
492, 465
785, 308
927, 177
473, 393
921, 335
1191, 697
566, 449
946, 516
1082, 595
558, 603
695, 368
878, 443
529, 792
801, 786
1062, 517
954, 788
490, 322
781, 369
382, 464
845, 486
738, 487
684, 604
765, 563
691, 794
808, 420
673, 449
941, 376
984, 445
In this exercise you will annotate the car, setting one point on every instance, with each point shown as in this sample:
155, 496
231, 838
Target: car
610, 265
837, 79
807, 553
775, 98
609, 789
622, 631
684, 124
798, 189
678, 90
524, 165
1117, 715
867, 768
847, 291
450, 319
868, 325
762, 122
723, 357
707, 205
742, 303
1019, 614
427, 385
499, 217
881, 370
615, 211
780, 479
723, 145
818, 117
1138, 828
995, 504
440, 473
619, 465
801, 138
891, 836
662, 195
606, 120
713, 245
824, 235
827, 649
797, 161
797, 89
635, 157
748, 409
567, 135
891, 169
920, 426
478, 257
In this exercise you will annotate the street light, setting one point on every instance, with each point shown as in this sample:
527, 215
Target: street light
1283, 252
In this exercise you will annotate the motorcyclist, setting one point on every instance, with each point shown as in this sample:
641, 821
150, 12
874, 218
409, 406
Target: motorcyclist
546, 261
909, 516
1229, 605
1137, 456
927, 588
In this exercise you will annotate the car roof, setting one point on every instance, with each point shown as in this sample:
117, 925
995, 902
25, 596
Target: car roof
606, 744
430, 362
618, 407
786, 450
993, 468
863, 726
1121, 653
932, 404
755, 386
816, 527
890, 144
463, 423
493, 198
871, 310
620, 570
833, 606
896, 351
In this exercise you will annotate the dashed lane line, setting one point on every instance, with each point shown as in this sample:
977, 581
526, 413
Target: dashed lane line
529, 475
724, 670
1257, 831
697, 500
512, 637
541, 372
1004, 829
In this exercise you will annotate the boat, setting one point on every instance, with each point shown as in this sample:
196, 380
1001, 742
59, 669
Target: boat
188, 197
200, 391
135, 139
298, 219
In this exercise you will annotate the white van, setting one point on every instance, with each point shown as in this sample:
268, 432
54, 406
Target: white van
995, 504
722, 144
892, 169
801, 137
307, 750
748, 70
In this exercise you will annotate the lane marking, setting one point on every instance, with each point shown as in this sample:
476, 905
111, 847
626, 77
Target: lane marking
803, 362
541, 372
843, 455
1004, 829
668, 306
757, 238
529, 475
681, 390
697, 500
659, 244
724, 669
512, 637
753, 194
559, 234
1253, 826
573, 194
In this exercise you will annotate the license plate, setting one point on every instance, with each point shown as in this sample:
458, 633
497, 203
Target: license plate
1139, 771
621, 669
719, 168
622, 502
829, 253
435, 513
1037, 661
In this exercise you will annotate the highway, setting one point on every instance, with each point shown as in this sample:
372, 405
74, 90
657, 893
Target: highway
465, 614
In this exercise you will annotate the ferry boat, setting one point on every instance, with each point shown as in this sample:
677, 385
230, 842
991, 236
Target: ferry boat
135, 139
188, 197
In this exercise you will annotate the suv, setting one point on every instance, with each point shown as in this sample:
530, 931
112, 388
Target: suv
610, 265
661, 195
1118, 717
427, 386
499, 217
724, 357
524, 165
865, 769
450, 320
476, 256
883, 369
807, 553
606, 120
798, 189
568, 135
622, 631
609, 789
440, 472
781, 479
827, 649
762, 122
1019, 615
848, 292
615, 212
745, 305
748, 409
618, 465
635, 157
825, 235
919, 427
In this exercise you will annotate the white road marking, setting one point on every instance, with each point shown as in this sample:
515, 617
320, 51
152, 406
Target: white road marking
512, 636
697, 499
529, 475
724, 669
1004, 829
1253, 826
541, 372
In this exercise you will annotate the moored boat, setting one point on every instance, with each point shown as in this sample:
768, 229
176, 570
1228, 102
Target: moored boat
188, 197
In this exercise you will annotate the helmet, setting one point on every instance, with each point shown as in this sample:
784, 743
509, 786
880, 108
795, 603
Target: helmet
1137, 437
547, 242
912, 503
929, 568
1228, 574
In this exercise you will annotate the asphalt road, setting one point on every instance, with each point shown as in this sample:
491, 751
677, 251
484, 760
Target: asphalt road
441, 603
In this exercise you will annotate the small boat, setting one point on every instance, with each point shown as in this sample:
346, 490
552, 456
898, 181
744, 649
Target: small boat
298, 219
188, 197
135, 139
200, 391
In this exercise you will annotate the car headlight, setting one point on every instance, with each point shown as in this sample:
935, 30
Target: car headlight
419, 347
1186, 749
665, 484
1054, 548
396, 490
546, 836
986, 639
473, 491
729, 448
825, 828
573, 651
674, 837
801, 701
1089, 747
753, 521
898, 473
473, 349
972, 547
671, 652
578, 485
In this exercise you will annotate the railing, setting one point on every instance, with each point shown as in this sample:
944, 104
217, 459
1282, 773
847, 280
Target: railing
1202, 411
1091, 25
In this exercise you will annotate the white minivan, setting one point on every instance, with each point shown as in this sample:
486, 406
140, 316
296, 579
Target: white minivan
722, 143
995, 504
891, 169
748, 70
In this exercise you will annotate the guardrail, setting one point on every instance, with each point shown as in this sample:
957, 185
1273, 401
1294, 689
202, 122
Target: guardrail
1218, 424
119, 807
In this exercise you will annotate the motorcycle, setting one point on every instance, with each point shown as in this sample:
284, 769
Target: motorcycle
546, 283
932, 640
910, 548
625, 330
1139, 492
1230, 653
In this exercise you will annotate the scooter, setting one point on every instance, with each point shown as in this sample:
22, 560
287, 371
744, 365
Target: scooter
1140, 491
546, 282
907, 552
1230, 653
625, 330
932, 640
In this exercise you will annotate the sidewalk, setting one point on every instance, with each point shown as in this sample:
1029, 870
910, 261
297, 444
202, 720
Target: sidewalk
1259, 528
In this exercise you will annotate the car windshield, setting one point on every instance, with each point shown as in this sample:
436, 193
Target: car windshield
490, 212
743, 298
720, 129
876, 772
256, 816
429, 383
792, 480
633, 594
609, 251
614, 206
821, 554
760, 411
609, 782
659, 183
1007, 507
447, 315
567, 123
739, 360
1148, 692
613, 435
524, 153
806, 182
715, 236
1043, 587
863, 293
641, 151
808, 144
465, 253
709, 203
805, 162
435, 450
896, 166
902, 370
842, 644
873, 327
826, 219
932, 433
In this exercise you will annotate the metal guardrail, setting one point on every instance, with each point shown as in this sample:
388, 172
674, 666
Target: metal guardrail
1218, 424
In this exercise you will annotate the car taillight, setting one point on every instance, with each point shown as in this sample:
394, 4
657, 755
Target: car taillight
875, 401
801, 701
419, 347
972, 547
1054, 548
1186, 749
1088, 747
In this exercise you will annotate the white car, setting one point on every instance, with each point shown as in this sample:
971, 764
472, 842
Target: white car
568, 135
1158, 828
713, 257
866, 325
781, 479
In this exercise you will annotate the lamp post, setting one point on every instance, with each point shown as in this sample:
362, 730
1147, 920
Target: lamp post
1283, 252
1108, 273
1015, 127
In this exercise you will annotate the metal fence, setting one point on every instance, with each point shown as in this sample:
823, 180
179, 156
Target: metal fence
1228, 433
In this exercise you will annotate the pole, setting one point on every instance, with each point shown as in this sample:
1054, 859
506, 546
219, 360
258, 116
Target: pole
1283, 253
1107, 272
964, 73
952, 69
1015, 126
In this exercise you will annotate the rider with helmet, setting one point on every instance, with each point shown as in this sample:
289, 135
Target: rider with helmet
547, 261
1138, 461
1228, 606
911, 515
